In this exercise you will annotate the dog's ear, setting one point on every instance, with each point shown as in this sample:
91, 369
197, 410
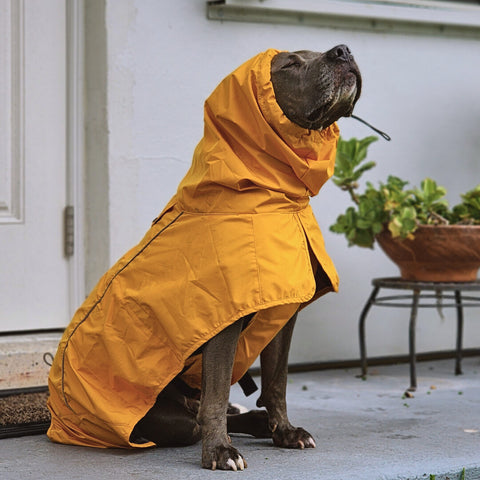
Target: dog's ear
286, 60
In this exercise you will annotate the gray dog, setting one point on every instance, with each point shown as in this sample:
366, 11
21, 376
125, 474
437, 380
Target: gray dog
218, 278
313, 90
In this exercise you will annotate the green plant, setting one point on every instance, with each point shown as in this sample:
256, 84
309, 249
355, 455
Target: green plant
391, 205
469, 210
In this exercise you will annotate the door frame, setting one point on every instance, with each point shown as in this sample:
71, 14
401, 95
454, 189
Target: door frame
15, 359
75, 154
74, 131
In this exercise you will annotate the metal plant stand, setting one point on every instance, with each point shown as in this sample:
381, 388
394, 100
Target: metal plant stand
446, 295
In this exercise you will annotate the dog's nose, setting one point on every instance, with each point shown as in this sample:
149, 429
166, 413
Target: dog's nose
340, 52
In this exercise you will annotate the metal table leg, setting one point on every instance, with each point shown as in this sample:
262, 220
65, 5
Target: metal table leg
361, 329
412, 328
414, 303
458, 361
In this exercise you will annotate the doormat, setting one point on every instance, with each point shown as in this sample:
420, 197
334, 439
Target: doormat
24, 412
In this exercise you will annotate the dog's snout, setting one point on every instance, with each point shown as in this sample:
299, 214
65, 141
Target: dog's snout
340, 52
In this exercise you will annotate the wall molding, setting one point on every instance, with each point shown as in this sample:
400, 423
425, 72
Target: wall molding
12, 139
424, 17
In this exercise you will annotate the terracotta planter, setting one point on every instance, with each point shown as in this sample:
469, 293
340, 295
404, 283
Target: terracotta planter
438, 253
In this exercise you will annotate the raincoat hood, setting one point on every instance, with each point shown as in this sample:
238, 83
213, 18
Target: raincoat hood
239, 238
250, 146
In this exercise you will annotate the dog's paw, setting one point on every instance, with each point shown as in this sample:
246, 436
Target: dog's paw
293, 438
223, 458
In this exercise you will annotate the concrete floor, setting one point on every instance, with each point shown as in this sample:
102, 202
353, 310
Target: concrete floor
365, 430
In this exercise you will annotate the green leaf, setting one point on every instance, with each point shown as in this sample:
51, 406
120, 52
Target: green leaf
361, 170
350, 154
364, 238
408, 213
377, 227
362, 223
469, 210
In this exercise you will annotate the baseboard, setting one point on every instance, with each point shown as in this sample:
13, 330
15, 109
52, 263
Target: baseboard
374, 361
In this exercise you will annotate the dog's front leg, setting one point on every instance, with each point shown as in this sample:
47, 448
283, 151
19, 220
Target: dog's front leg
274, 365
217, 364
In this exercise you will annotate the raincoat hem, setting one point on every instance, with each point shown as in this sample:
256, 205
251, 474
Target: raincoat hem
257, 308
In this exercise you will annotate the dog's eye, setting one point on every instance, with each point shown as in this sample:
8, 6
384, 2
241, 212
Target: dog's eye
293, 61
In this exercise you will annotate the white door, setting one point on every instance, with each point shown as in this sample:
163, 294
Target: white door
34, 272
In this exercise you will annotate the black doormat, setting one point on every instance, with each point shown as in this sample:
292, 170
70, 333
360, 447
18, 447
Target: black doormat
24, 412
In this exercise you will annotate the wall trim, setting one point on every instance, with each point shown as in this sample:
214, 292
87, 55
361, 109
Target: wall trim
12, 159
376, 361
383, 16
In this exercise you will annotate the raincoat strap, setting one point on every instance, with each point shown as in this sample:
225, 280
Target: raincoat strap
247, 384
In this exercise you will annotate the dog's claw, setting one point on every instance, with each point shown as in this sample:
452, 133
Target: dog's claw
238, 464
224, 458
231, 464
293, 438
307, 443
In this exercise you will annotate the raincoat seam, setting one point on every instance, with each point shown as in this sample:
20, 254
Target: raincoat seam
305, 244
237, 214
260, 290
97, 302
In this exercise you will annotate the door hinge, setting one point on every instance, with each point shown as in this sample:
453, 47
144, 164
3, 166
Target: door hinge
69, 231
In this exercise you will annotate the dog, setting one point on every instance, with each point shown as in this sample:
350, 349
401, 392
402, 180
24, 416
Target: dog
220, 276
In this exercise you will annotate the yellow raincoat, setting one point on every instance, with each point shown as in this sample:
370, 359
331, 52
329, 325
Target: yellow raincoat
237, 238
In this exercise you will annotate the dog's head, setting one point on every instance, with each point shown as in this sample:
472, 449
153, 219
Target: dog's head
315, 89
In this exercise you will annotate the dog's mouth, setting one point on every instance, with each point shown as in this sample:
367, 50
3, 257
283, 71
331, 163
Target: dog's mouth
353, 86
358, 84
341, 104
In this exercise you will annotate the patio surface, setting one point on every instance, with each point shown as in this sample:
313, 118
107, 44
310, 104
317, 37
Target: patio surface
364, 430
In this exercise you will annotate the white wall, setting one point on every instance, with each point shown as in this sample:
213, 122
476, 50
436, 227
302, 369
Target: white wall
164, 58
